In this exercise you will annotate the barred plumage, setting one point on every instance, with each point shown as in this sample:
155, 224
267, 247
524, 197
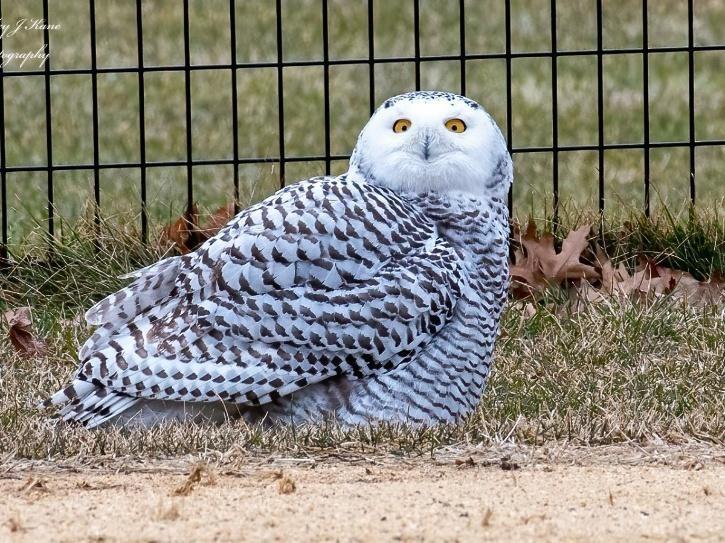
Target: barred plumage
374, 295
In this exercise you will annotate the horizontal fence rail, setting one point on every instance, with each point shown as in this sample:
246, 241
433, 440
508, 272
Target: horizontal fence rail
282, 158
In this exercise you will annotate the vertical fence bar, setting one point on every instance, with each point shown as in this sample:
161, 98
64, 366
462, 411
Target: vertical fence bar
416, 41
462, 39
235, 112
691, 91
600, 104
371, 55
645, 100
94, 93
280, 93
509, 112
554, 114
326, 84
187, 92
4, 256
141, 123
48, 126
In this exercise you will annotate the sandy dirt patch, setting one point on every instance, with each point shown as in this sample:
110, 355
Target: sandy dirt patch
465, 497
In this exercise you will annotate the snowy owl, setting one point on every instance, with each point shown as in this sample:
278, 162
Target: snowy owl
372, 296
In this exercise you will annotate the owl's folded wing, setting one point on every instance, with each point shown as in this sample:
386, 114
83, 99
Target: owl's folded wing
326, 278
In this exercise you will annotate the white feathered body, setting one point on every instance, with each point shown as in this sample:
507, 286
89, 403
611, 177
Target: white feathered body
355, 298
331, 298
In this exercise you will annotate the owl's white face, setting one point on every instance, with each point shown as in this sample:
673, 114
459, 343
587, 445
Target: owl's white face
433, 141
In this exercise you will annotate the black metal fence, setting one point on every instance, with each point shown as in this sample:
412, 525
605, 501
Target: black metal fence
552, 54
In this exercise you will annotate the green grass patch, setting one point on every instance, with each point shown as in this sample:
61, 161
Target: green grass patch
606, 373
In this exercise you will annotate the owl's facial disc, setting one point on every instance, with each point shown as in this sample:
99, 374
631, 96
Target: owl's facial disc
433, 141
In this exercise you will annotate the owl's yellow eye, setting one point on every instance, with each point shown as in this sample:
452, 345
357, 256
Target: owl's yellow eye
401, 125
456, 125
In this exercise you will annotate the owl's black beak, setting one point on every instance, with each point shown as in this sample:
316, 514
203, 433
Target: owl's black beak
426, 146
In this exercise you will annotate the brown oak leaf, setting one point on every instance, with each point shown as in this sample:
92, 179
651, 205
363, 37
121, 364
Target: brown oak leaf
537, 265
187, 232
183, 231
692, 291
21, 335
652, 280
218, 220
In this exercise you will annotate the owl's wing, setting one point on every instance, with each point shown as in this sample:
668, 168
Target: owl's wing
325, 278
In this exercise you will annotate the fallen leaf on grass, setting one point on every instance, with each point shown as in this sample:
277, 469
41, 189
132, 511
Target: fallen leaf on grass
187, 232
536, 264
652, 280
698, 293
183, 231
21, 335
218, 220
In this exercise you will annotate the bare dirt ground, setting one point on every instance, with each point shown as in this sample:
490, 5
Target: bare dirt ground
602, 493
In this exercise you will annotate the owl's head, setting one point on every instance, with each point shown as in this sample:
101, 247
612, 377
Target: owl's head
433, 141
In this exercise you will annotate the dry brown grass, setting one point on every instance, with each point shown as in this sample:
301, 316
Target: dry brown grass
613, 373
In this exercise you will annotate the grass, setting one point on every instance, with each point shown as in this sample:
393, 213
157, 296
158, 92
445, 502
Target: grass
696, 245
607, 373
349, 106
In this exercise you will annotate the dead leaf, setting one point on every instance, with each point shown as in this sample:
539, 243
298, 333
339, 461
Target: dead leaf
527, 278
566, 264
187, 232
188, 486
21, 335
645, 281
610, 276
465, 463
508, 465
286, 485
536, 264
694, 292
649, 280
218, 220
183, 232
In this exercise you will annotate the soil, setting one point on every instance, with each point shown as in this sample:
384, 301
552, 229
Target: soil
605, 494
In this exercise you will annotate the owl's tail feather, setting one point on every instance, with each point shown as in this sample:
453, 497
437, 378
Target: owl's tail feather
89, 404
